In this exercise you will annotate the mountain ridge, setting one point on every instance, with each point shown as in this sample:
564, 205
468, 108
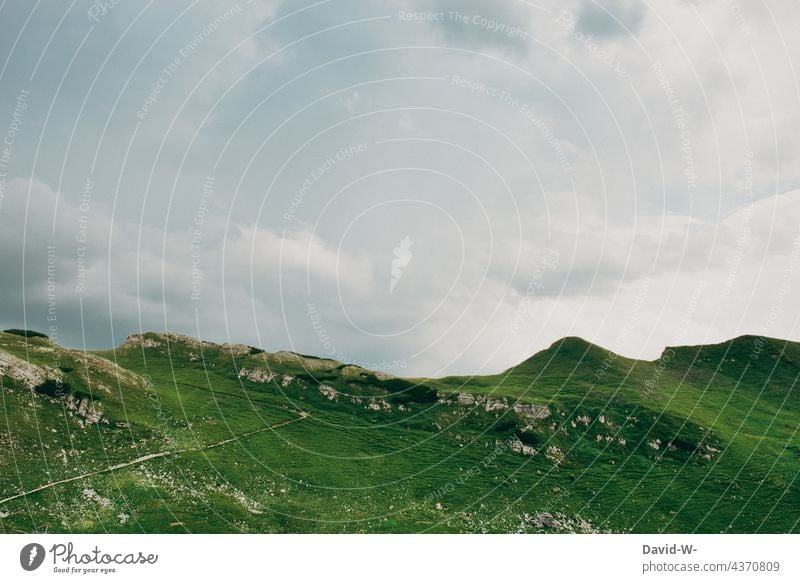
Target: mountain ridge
167, 433
567, 345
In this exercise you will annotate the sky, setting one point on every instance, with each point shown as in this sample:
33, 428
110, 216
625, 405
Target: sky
419, 187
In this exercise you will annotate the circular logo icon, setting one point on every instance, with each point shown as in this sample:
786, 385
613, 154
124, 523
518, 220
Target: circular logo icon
31, 556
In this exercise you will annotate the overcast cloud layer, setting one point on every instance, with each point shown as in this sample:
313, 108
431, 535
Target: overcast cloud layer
423, 187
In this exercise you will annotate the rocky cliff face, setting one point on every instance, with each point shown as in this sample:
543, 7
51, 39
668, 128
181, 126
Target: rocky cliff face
31, 375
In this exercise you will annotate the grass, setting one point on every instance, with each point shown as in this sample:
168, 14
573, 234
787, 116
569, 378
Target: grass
702, 440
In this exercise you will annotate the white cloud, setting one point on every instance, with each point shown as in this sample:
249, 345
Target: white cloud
546, 148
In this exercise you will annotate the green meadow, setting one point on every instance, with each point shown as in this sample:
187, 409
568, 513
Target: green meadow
169, 434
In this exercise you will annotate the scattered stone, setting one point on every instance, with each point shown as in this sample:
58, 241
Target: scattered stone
91, 495
554, 454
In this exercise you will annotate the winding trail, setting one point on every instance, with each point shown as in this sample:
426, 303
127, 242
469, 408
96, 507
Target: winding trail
152, 456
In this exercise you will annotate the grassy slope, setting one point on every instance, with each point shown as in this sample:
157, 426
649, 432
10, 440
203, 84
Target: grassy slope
702, 440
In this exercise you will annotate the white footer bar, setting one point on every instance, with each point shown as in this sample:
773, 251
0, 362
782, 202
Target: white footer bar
406, 558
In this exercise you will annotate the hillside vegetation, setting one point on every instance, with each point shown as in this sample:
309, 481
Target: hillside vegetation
167, 433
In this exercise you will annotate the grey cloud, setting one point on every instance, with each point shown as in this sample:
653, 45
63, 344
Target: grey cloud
623, 211
607, 19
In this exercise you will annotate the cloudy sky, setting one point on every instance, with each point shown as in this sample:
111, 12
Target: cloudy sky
418, 186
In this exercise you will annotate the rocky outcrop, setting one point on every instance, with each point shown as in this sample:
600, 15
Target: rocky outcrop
558, 522
257, 375
236, 349
308, 363
489, 403
546, 520
465, 399
517, 446
532, 411
328, 392
30, 375
495, 404
95, 364
88, 410
156, 340
378, 405
139, 340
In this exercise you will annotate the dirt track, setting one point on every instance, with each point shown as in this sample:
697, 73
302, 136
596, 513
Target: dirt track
152, 456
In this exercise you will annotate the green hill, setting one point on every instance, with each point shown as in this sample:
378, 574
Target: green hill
167, 433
